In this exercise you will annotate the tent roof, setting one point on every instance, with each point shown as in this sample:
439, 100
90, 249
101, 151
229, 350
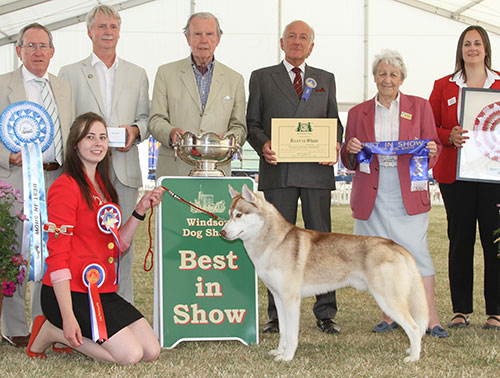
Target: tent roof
57, 14
481, 12
54, 14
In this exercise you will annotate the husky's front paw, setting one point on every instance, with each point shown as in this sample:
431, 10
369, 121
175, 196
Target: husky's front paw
275, 352
283, 357
411, 358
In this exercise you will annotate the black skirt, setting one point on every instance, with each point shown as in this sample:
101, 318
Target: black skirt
118, 313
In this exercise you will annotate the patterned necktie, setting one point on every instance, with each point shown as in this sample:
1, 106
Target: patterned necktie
297, 81
50, 106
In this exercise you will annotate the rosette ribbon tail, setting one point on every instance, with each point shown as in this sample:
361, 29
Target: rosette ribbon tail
34, 242
93, 277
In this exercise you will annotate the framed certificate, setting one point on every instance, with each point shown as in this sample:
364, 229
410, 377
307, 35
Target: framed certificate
304, 139
479, 159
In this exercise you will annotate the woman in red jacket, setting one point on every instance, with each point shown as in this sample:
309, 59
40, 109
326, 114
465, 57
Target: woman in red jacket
85, 240
384, 200
467, 202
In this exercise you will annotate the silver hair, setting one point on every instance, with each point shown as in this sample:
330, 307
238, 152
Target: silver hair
391, 57
283, 36
34, 25
205, 15
106, 10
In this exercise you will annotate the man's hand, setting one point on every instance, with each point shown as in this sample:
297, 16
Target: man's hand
132, 134
16, 159
331, 163
269, 154
175, 133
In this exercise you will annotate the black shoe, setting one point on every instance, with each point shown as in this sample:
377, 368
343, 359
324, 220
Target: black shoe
272, 326
16, 341
328, 326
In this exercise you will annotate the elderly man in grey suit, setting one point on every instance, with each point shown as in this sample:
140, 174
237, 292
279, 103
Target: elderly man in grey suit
117, 90
197, 94
35, 49
276, 92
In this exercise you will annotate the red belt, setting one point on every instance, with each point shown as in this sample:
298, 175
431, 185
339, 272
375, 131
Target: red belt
51, 166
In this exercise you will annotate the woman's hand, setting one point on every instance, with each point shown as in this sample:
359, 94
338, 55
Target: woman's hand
72, 331
354, 146
458, 137
153, 196
432, 147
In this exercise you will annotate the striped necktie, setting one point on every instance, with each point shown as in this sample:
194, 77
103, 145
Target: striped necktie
50, 106
297, 81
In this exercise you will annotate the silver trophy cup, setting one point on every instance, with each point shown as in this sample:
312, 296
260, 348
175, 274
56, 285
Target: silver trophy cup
206, 151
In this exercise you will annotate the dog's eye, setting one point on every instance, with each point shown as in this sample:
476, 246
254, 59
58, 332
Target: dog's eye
238, 215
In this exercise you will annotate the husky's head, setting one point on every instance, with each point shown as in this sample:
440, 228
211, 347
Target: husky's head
245, 220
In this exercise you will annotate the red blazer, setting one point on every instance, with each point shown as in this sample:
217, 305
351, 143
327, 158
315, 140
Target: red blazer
361, 124
443, 99
66, 205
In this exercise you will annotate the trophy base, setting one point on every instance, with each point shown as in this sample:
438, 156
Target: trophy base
206, 168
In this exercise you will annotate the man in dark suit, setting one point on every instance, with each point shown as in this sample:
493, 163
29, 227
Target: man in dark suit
275, 92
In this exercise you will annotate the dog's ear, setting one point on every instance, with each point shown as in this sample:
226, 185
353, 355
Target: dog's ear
233, 193
247, 194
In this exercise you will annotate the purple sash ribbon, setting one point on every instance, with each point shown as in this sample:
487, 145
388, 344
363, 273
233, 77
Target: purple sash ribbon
418, 162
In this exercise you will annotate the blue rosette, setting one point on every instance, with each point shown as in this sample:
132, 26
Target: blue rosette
25, 122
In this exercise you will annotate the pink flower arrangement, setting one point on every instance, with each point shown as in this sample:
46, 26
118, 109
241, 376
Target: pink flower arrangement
12, 263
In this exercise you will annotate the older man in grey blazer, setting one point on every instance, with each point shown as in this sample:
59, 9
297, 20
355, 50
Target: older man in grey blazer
117, 90
35, 49
275, 92
196, 94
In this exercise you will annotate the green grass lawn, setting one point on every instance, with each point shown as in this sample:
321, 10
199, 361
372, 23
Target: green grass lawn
356, 352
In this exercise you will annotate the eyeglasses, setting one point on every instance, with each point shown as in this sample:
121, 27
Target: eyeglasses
32, 46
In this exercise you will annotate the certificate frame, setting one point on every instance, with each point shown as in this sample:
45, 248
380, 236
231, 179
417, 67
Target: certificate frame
304, 140
479, 158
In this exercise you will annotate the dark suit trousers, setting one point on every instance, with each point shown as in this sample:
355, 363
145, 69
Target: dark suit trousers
316, 214
465, 203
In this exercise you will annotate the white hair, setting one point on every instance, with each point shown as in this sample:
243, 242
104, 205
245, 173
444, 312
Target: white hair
391, 57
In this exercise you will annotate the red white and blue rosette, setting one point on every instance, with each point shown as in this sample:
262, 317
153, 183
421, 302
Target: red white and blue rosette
27, 127
93, 277
109, 220
486, 131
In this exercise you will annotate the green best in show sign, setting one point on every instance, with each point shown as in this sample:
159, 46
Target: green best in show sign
205, 286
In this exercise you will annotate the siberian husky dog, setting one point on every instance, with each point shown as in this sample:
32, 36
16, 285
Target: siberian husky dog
294, 263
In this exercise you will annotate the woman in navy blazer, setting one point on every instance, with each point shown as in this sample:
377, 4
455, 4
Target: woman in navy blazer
77, 203
467, 202
382, 201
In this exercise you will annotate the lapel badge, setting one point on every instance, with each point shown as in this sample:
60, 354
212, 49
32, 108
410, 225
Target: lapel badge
406, 116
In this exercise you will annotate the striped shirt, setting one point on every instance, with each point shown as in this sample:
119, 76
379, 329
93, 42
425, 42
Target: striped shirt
203, 82
387, 128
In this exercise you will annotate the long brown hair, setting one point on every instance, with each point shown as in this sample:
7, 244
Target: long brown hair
73, 165
459, 59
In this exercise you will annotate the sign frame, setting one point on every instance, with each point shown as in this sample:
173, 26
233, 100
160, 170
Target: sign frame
304, 140
479, 158
167, 246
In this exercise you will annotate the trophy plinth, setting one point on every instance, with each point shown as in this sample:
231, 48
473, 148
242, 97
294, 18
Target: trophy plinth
206, 151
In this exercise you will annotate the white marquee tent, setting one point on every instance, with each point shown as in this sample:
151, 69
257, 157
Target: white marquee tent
348, 34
